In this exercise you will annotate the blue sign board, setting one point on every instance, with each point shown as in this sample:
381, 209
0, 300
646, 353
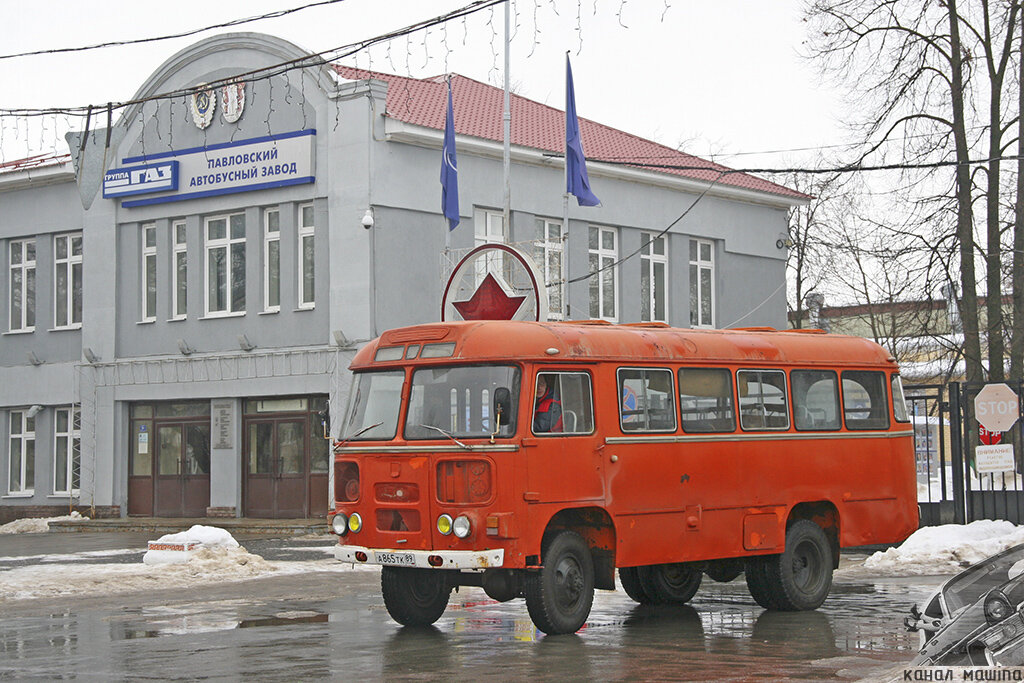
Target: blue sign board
159, 177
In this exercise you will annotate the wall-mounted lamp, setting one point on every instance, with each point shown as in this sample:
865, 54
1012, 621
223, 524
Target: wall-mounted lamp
368, 219
185, 349
244, 343
33, 411
784, 242
90, 355
34, 359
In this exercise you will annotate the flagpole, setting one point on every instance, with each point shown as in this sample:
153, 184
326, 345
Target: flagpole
565, 209
507, 121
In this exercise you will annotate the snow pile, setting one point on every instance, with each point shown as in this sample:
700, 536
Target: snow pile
210, 541
946, 549
36, 525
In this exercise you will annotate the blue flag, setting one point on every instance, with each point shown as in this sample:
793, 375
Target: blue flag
449, 169
576, 180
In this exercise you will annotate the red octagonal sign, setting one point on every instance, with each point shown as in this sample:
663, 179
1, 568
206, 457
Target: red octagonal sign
996, 407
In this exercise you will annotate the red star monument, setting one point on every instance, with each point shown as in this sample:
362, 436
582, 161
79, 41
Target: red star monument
489, 302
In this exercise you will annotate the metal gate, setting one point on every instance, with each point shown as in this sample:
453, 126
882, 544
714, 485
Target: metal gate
946, 436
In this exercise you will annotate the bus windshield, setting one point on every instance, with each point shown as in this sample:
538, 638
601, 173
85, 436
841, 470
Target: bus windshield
373, 405
461, 400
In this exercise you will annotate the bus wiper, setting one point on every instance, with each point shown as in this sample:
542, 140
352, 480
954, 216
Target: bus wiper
438, 429
342, 442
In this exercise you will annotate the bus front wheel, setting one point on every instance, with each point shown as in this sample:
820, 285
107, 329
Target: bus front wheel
560, 594
797, 579
671, 584
414, 597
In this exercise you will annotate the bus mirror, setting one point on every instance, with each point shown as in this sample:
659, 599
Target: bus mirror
325, 421
502, 404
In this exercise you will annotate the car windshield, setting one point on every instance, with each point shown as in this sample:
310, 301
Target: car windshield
461, 401
972, 584
373, 406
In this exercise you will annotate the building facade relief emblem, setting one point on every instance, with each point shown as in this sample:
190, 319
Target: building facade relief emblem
202, 104
232, 101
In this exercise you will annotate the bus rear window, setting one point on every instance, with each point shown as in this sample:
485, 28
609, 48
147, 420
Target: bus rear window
705, 400
762, 399
865, 400
647, 400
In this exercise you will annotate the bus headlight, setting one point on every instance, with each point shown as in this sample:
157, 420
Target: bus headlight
355, 522
340, 524
444, 524
461, 526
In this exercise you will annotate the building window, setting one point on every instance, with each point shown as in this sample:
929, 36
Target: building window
225, 264
306, 282
604, 252
489, 228
67, 280
547, 254
653, 287
702, 275
148, 273
271, 260
67, 451
23, 285
22, 453
179, 273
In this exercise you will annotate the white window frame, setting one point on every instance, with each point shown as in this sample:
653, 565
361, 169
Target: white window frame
699, 266
271, 237
148, 241
26, 268
649, 258
67, 264
72, 450
599, 279
489, 228
544, 250
24, 436
179, 253
227, 243
306, 232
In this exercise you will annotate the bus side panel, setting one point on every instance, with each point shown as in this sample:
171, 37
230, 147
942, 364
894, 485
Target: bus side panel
891, 514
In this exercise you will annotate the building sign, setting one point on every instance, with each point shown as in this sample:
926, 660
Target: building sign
122, 182
994, 458
241, 166
221, 423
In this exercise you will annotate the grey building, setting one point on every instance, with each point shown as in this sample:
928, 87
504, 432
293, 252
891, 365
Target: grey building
182, 293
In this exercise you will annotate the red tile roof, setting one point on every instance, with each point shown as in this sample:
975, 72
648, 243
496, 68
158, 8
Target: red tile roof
478, 113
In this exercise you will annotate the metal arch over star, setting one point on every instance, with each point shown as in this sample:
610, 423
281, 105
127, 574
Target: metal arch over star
489, 302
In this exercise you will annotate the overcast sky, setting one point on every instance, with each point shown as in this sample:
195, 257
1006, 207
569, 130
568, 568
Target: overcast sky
722, 76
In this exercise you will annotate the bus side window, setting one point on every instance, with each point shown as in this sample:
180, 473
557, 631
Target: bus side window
899, 403
762, 399
865, 400
815, 399
646, 400
705, 400
572, 394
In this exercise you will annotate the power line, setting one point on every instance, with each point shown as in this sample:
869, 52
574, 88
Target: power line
183, 34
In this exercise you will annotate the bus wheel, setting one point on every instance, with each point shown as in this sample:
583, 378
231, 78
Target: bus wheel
414, 597
670, 584
560, 594
629, 577
800, 578
757, 581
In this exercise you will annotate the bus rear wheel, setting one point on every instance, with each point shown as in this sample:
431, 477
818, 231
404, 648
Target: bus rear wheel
671, 584
629, 577
560, 594
414, 597
797, 579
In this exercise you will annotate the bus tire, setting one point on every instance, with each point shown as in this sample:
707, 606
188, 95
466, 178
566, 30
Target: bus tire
414, 597
671, 584
629, 577
801, 577
757, 581
560, 594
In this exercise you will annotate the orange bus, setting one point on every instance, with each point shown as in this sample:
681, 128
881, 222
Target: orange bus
533, 459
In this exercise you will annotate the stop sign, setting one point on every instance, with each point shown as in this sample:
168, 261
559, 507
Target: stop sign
996, 407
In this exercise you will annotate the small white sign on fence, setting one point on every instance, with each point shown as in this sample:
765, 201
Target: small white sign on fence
994, 458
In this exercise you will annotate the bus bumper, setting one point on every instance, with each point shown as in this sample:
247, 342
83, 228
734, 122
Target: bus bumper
423, 559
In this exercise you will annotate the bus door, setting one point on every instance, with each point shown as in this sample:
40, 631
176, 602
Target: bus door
563, 461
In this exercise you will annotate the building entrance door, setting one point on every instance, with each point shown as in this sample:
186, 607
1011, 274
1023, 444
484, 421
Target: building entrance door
276, 468
169, 464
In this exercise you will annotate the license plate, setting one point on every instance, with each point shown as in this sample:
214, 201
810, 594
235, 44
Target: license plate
400, 559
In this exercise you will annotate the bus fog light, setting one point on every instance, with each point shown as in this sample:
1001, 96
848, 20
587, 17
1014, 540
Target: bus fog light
461, 526
340, 524
444, 524
361, 556
355, 522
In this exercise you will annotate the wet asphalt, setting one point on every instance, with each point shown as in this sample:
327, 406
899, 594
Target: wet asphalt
333, 626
